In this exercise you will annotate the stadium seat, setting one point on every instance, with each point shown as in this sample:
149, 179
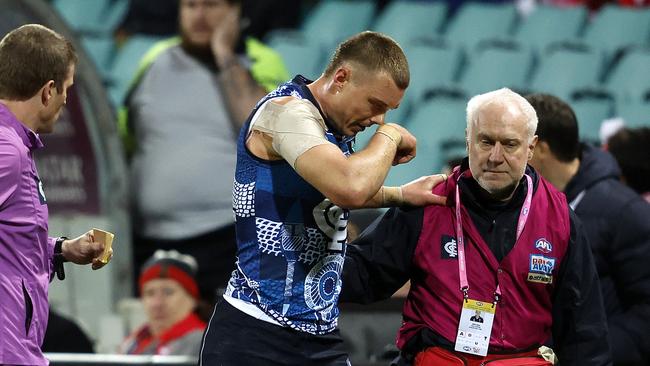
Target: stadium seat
478, 21
614, 28
299, 55
332, 21
630, 76
635, 114
548, 24
406, 21
126, 64
436, 122
101, 50
433, 64
495, 65
566, 68
96, 17
590, 114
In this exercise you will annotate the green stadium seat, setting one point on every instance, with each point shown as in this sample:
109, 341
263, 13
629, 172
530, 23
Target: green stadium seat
478, 21
126, 64
566, 69
334, 20
436, 123
548, 24
635, 114
96, 17
406, 21
630, 77
433, 64
614, 28
101, 50
495, 65
299, 55
590, 114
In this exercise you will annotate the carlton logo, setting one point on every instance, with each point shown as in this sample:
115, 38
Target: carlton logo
448, 248
544, 245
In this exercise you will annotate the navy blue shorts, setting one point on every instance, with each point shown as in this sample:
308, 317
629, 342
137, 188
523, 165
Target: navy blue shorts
234, 338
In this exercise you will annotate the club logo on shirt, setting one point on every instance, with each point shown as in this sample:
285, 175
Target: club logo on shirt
544, 245
448, 249
541, 269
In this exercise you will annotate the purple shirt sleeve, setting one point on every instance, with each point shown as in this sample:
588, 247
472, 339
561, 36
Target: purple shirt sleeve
9, 170
51, 241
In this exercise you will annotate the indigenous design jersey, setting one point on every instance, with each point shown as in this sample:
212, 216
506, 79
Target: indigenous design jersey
290, 238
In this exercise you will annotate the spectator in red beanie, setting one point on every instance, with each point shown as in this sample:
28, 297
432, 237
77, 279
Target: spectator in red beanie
170, 295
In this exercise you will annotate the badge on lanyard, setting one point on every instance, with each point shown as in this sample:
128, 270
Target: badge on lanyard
476, 317
475, 327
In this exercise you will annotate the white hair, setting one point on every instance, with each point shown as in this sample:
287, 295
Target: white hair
502, 96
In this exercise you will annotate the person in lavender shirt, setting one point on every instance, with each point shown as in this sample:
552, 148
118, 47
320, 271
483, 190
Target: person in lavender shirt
36, 69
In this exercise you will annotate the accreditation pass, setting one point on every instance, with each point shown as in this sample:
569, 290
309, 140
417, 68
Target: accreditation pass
475, 327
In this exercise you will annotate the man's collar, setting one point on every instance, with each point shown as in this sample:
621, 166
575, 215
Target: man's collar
472, 192
29, 137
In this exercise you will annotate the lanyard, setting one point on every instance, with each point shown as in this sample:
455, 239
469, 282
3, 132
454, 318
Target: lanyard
462, 264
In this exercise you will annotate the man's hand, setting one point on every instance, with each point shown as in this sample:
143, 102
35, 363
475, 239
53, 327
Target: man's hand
83, 250
225, 37
405, 146
418, 192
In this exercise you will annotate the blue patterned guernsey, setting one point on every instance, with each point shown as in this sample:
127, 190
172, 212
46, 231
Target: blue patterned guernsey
290, 238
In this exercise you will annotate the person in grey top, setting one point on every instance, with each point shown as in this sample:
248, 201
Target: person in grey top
182, 116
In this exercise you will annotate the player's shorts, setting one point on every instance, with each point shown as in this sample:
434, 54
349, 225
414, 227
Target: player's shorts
234, 338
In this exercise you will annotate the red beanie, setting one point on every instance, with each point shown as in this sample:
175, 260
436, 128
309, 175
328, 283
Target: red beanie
172, 265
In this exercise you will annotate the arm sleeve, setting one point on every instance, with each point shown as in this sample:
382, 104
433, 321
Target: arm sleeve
628, 257
51, 241
295, 127
10, 168
580, 332
378, 263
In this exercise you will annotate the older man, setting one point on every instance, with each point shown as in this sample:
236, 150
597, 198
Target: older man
506, 244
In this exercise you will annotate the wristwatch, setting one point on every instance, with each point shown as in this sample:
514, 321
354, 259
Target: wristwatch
59, 259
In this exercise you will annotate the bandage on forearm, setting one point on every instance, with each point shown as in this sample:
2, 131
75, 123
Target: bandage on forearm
391, 133
391, 196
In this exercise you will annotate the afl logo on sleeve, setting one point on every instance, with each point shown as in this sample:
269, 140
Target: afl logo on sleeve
448, 249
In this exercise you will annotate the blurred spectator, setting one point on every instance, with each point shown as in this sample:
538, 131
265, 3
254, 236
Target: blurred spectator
64, 336
615, 218
631, 148
180, 126
169, 294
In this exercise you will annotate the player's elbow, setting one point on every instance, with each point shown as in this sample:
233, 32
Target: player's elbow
350, 198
